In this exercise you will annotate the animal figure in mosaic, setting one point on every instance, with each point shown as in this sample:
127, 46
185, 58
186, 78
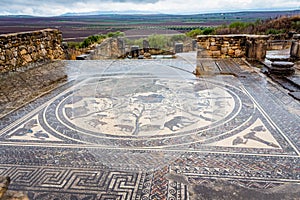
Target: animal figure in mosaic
177, 123
124, 127
27, 128
252, 136
239, 140
96, 122
41, 135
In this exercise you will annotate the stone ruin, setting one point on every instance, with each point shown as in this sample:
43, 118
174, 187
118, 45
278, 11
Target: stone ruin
22, 49
283, 65
252, 47
222, 46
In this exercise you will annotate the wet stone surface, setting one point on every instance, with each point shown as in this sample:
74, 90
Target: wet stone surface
150, 129
18, 88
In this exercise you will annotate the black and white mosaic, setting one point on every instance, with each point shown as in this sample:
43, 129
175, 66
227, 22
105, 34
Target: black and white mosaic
118, 136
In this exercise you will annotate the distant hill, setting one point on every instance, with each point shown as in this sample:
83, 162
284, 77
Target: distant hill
77, 26
128, 12
242, 14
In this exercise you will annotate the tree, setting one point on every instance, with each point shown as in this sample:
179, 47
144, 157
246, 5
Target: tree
158, 41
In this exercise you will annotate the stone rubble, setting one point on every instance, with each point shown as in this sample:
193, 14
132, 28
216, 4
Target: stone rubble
6, 194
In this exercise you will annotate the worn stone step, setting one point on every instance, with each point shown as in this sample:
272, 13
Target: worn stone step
296, 95
295, 79
282, 64
274, 58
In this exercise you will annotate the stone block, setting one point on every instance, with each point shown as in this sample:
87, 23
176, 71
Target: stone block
9, 54
27, 58
178, 47
13, 62
214, 48
282, 64
147, 55
134, 51
43, 52
224, 50
295, 49
231, 52
15, 53
4, 183
296, 36
238, 53
23, 52
216, 54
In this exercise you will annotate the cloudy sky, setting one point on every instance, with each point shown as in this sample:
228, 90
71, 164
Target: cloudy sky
58, 7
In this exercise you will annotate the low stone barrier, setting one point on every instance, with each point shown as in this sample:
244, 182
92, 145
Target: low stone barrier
21, 49
254, 47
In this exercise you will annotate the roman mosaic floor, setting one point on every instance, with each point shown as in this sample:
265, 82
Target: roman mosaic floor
150, 129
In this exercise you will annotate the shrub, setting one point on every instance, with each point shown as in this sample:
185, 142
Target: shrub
115, 34
158, 41
73, 45
238, 25
208, 31
86, 42
98, 38
274, 31
179, 37
194, 33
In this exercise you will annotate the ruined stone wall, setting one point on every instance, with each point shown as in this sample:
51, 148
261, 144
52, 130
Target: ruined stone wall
236, 46
21, 49
111, 48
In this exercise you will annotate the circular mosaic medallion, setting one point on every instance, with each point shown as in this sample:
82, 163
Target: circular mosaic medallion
137, 111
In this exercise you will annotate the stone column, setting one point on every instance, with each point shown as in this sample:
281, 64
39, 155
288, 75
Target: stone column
256, 47
134, 51
146, 45
178, 47
295, 48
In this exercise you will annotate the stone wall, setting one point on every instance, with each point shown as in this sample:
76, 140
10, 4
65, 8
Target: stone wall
236, 46
111, 48
21, 49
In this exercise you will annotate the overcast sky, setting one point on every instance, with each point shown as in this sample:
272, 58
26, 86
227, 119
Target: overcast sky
58, 7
